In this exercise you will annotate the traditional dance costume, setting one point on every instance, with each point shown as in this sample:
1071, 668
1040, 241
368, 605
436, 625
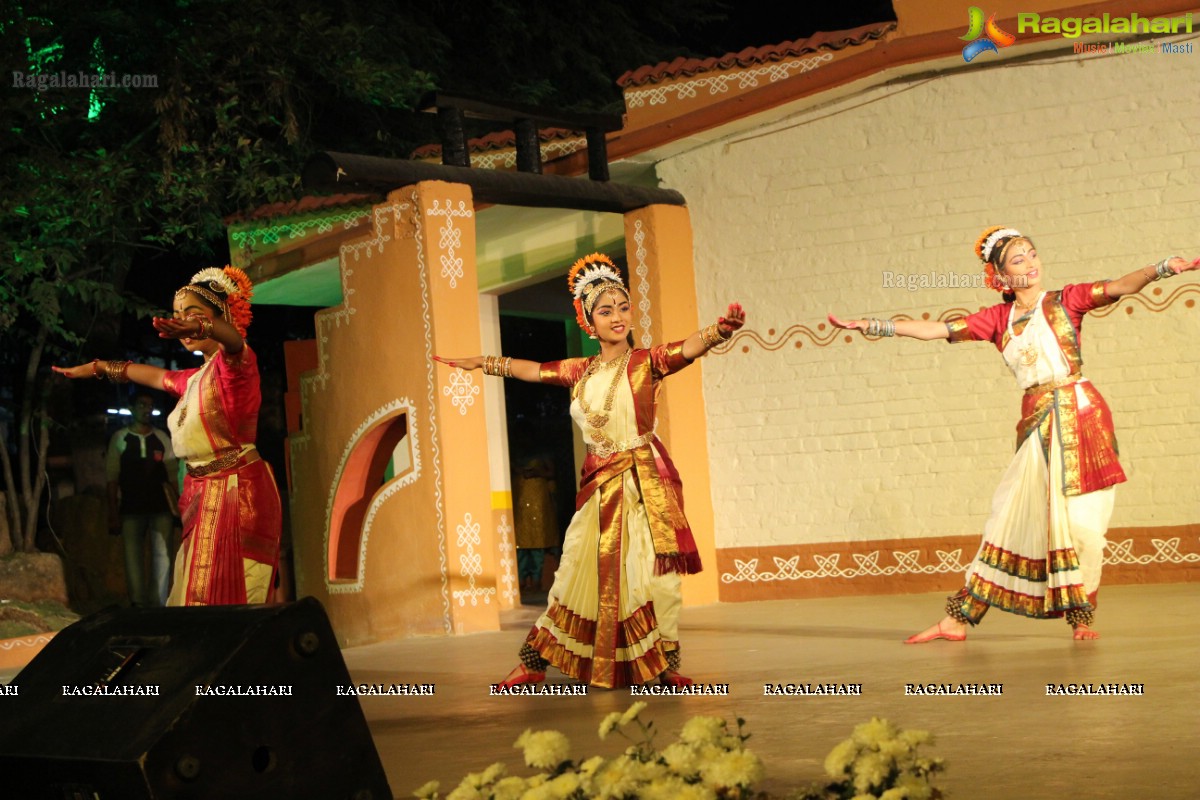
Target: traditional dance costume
1043, 544
613, 616
230, 505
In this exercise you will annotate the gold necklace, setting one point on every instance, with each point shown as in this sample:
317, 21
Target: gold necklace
595, 420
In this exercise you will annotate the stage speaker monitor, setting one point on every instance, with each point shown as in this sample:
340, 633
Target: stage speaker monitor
189, 704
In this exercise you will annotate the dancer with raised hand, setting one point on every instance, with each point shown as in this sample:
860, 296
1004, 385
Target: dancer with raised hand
230, 506
1043, 543
613, 613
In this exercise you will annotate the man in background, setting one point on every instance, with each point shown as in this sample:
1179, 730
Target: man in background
142, 494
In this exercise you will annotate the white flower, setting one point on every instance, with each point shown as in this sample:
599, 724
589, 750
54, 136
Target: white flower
510, 788
564, 785
683, 759
671, 788
838, 762
544, 749
616, 779
732, 769
630, 715
427, 791
873, 732
591, 765
490, 774
870, 771
895, 793
465, 791
610, 724
702, 730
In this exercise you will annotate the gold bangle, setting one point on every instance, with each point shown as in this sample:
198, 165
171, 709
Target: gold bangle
206, 326
96, 369
492, 365
712, 336
116, 371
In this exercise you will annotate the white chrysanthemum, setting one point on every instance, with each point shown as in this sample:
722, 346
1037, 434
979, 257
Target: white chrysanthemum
682, 759
544, 749
609, 724
464, 791
492, 773
914, 738
917, 786
870, 771
732, 769
630, 715
564, 785
591, 765
616, 779
672, 788
703, 730
510, 788
873, 732
838, 762
427, 791
543, 792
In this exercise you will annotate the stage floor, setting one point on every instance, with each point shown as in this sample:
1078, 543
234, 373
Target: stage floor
1023, 744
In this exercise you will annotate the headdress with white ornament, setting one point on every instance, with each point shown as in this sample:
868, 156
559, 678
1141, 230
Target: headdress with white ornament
590, 278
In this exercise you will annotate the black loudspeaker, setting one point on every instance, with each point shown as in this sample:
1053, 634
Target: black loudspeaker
189, 704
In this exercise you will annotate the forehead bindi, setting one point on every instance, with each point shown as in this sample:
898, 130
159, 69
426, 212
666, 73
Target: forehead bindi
188, 304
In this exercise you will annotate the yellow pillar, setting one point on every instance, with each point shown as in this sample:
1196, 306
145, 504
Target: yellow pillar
447, 245
658, 243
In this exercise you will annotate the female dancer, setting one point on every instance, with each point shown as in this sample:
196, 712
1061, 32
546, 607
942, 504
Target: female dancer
1043, 544
614, 605
230, 505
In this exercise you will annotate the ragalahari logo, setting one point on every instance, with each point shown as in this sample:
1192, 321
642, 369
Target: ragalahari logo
983, 36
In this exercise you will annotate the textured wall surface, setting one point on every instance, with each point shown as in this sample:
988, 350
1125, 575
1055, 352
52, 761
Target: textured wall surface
816, 441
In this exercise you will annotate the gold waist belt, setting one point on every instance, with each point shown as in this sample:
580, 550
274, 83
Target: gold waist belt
231, 459
607, 449
1042, 388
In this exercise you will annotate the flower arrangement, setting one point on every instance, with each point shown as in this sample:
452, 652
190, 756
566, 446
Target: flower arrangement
709, 761
879, 762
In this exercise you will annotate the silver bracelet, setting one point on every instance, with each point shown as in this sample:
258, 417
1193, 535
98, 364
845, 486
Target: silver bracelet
881, 327
1162, 269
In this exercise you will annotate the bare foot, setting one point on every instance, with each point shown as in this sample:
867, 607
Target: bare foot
521, 674
1083, 632
947, 628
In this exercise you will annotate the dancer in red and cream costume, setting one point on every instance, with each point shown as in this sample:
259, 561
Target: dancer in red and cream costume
613, 617
230, 505
1043, 543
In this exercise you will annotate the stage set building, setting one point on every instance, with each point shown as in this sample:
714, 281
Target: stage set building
846, 173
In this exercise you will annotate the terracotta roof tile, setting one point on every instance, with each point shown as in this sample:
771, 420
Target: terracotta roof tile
301, 206
497, 140
686, 67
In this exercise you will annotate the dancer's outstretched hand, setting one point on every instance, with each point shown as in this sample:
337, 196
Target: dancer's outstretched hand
468, 363
735, 318
848, 324
1183, 265
88, 370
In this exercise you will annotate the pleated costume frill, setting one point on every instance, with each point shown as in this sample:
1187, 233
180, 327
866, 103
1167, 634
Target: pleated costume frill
1043, 542
614, 605
232, 519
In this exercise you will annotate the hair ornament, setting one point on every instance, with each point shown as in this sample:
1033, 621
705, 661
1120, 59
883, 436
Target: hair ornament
589, 278
987, 242
236, 288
